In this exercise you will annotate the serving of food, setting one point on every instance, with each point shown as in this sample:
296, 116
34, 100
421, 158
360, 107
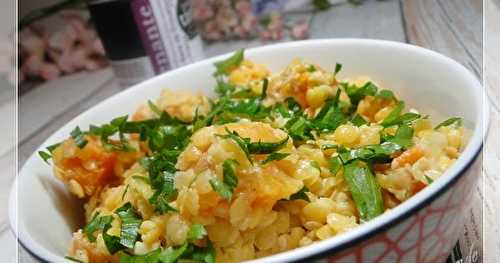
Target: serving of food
278, 160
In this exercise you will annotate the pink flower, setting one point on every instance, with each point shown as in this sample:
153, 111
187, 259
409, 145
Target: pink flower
226, 19
249, 23
201, 10
211, 31
300, 30
243, 8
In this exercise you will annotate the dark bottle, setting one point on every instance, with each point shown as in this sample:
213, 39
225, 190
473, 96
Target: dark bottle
143, 38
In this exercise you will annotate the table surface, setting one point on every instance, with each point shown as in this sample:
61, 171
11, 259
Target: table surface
451, 27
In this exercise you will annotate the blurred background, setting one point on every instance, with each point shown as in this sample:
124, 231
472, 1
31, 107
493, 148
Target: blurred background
75, 53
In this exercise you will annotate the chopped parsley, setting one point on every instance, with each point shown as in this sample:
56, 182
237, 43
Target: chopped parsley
224, 67
79, 137
451, 121
276, 156
130, 223
301, 194
364, 190
225, 188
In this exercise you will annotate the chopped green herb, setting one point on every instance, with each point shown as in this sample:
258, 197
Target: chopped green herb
45, 156
73, 259
266, 147
226, 187
265, 84
130, 223
403, 136
151, 257
164, 194
392, 118
275, 157
335, 164
450, 121
171, 254
301, 194
141, 178
224, 67
338, 68
96, 223
196, 232
311, 68
356, 94
330, 116
357, 120
125, 192
154, 108
385, 94
241, 142
428, 179
364, 190
79, 137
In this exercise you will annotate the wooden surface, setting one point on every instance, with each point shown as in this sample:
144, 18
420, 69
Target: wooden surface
452, 27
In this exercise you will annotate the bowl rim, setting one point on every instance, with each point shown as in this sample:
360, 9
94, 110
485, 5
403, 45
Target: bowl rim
328, 246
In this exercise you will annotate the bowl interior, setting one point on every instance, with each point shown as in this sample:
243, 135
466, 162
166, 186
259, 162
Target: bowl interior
435, 85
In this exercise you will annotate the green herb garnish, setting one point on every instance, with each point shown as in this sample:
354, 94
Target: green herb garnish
455, 120
130, 223
79, 137
392, 118
225, 188
364, 190
224, 67
301, 194
275, 157
335, 164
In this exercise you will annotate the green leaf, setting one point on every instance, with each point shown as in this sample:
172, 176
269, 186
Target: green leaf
378, 153
455, 120
428, 179
203, 254
141, 178
130, 224
338, 68
357, 120
356, 94
392, 118
403, 136
222, 189
112, 242
265, 85
266, 147
171, 254
224, 67
330, 116
364, 190
196, 232
311, 68
79, 137
241, 142
229, 181
275, 157
335, 165
151, 257
301, 194
154, 108
97, 223
73, 259
299, 128
385, 94
45, 156
408, 118
229, 173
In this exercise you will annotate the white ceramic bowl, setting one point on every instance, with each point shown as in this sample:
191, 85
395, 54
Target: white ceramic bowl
47, 214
